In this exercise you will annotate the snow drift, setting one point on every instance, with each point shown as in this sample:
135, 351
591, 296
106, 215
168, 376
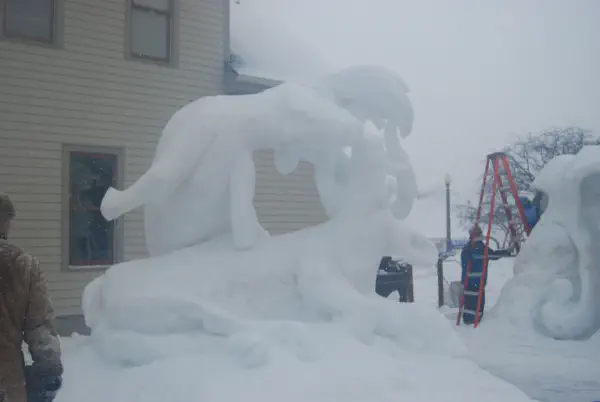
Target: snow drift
556, 287
220, 302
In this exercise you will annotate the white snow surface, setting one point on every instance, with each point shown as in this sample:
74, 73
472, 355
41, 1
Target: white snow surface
547, 370
224, 312
556, 287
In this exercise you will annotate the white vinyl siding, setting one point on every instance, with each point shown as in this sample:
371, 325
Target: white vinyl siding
286, 203
87, 93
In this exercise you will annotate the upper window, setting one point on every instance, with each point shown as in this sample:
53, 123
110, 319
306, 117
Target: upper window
151, 29
92, 241
29, 19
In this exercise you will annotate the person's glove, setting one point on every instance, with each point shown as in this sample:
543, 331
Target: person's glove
41, 386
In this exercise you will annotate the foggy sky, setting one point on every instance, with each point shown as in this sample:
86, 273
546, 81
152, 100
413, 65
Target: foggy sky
480, 72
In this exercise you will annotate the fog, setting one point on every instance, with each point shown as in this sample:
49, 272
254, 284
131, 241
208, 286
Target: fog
481, 73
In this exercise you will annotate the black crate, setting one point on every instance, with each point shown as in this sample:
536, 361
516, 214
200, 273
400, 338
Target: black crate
394, 275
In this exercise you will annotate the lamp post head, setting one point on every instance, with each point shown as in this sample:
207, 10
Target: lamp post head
447, 179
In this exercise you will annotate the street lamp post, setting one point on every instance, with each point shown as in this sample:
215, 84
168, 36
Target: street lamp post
440, 263
448, 181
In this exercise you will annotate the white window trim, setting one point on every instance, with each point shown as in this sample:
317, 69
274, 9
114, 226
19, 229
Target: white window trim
119, 234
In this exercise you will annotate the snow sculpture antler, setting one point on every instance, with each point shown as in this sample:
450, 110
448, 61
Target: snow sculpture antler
201, 182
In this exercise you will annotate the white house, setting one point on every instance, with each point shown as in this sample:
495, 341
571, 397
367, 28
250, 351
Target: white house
85, 89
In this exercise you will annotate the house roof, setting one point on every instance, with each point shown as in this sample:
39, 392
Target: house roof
247, 74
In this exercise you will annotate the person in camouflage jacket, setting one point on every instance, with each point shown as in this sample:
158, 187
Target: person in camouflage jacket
26, 315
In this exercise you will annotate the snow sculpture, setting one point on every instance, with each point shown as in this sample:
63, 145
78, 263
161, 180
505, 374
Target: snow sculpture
200, 189
210, 296
301, 306
556, 287
201, 183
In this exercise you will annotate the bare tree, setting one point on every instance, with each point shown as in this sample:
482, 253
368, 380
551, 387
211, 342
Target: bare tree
526, 156
529, 155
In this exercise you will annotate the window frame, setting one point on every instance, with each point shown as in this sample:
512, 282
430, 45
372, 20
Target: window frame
172, 34
55, 23
119, 234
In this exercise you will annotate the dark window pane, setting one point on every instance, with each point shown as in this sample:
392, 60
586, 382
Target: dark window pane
31, 19
91, 237
149, 34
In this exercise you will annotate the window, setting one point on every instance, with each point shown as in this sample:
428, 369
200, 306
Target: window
91, 240
29, 19
151, 29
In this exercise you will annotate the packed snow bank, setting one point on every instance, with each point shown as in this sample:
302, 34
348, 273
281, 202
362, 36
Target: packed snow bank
209, 294
320, 361
345, 371
294, 319
556, 287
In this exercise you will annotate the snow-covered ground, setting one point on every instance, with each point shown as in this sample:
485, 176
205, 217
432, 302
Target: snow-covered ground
547, 370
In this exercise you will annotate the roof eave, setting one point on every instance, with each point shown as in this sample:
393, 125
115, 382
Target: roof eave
254, 79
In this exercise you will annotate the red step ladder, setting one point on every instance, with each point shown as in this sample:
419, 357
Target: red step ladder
502, 182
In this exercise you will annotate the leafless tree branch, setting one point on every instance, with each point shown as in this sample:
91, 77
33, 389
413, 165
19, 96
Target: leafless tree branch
526, 157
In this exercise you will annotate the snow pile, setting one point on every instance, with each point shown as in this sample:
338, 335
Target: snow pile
556, 287
208, 295
291, 317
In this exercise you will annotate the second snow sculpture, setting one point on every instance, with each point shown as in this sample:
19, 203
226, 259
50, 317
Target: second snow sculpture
201, 183
556, 287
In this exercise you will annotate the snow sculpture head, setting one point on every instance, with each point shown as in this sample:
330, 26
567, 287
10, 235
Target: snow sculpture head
557, 273
379, 95
373, 93
201, 182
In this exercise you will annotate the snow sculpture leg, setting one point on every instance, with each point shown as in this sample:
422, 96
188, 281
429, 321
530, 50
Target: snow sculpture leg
400, 167
155, 186
286, 159
246, 229
324, 176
